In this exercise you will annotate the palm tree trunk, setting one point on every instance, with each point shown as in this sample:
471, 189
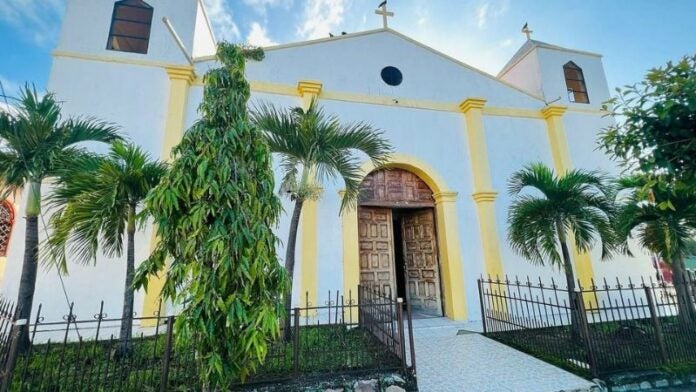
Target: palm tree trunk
682, 286
290, 262
126, 331
570, 281
30, 265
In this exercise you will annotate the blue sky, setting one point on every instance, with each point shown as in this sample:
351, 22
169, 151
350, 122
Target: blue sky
633, 35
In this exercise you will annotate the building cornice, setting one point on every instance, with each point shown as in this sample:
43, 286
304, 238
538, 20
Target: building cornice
472, 103
309, 87
485, 196
445, 197
553, 111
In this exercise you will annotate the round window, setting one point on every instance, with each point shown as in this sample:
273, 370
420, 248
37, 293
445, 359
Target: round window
392, 76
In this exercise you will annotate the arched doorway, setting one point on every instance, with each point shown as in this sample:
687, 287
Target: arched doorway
398, 239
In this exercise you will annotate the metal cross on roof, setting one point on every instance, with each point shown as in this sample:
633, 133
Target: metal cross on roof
527, 31
382, 10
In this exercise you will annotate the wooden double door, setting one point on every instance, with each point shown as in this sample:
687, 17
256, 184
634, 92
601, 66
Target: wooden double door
415, 257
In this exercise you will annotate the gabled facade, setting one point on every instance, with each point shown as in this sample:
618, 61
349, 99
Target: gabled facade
458, 134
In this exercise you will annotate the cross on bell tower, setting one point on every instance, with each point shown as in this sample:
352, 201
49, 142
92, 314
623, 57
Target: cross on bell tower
382, 10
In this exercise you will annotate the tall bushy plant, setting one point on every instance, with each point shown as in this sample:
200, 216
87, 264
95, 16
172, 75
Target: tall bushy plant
214, 212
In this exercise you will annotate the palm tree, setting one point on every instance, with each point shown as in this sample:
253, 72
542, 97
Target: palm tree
663, 219
315, 147
578, 204
98, 202
35, 143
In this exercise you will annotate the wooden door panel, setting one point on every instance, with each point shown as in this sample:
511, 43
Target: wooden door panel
376, 239
420, 255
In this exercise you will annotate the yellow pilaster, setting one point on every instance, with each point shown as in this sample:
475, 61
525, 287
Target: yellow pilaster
562, 163
351, 257
309, 231
450, 255
180, 79
483, 195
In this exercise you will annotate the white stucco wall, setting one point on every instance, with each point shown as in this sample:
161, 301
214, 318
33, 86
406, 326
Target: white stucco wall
136, 97
526, 74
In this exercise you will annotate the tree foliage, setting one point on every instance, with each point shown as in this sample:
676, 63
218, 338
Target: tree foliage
214, 213
578, 203
37, 143
98, 201
663, 222
655, 131
315, 147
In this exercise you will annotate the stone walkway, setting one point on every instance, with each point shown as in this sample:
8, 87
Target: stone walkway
471, 362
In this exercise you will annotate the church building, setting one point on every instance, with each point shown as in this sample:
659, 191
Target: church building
427, 226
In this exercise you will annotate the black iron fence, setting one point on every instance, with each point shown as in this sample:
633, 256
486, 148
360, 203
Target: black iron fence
365, 333
598, 330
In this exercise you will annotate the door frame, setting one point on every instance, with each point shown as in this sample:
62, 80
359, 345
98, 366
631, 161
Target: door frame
446, 216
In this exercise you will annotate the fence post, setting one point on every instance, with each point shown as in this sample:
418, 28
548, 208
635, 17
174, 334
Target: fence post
296, 343
656, 324
585, 331
360, 302
167, 355
483, 310
411, 343
402, 340
8, 371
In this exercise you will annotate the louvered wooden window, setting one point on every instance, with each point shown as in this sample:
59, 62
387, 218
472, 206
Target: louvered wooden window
130, 26
575, 83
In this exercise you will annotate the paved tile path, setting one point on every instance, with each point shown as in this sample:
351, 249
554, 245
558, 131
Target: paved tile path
472, 362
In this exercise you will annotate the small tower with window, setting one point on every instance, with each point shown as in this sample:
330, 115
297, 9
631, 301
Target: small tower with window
134, 29
556, 74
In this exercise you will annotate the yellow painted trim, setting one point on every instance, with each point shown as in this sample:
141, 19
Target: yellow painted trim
113, 59
309, 87
351, 254
308, 259
484, 195
180, 79
453, 292
472, 103
562, 163
308, 90
289, 90
512, 112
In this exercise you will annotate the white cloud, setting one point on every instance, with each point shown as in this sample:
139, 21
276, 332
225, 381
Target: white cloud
506, 42
37, 19
320, 17
261, 6
482, 15
221, 18
258, 36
